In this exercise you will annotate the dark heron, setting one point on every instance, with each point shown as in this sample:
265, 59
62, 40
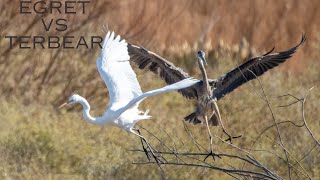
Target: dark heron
208, 91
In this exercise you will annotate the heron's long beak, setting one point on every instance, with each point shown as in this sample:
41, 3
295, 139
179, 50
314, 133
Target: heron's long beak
204, 60
64, 104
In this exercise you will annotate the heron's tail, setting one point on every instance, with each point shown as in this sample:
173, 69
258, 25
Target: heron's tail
192, 118
213, 121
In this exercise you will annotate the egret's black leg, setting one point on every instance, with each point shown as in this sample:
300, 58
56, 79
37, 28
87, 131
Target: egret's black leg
144, 149
158, 161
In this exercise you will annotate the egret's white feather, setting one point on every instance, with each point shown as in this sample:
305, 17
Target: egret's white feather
115, 70
172, 87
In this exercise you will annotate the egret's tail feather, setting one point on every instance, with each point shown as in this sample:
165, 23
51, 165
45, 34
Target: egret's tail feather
142, 117
147, 112
145, 117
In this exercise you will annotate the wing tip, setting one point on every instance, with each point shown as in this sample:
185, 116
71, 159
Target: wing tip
269, 51
303, 39
111, 36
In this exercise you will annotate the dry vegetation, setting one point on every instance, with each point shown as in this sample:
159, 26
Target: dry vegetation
39, 142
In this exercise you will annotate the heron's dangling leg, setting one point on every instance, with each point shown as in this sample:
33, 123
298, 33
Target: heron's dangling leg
210, 137
230, 137
216, 110
158, 161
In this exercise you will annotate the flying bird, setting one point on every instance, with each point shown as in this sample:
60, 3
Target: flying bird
208, 91
124, 90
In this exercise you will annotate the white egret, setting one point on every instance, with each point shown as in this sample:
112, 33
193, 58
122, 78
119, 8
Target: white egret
124, 90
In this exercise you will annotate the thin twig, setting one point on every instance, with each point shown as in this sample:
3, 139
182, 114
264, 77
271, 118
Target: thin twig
275, 121
238, 172
304, 119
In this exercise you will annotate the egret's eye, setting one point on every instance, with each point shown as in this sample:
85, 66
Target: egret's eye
70, 100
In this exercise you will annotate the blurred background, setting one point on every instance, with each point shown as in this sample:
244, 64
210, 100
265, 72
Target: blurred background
39, 141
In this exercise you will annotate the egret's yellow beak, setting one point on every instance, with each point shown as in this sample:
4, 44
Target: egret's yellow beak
64, 104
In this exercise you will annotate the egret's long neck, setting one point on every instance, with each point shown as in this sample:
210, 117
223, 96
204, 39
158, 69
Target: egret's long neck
86, 112
205, 86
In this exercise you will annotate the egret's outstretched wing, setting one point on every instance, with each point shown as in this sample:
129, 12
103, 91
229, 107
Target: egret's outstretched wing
114, 68
250, 70
145, 59
176, 86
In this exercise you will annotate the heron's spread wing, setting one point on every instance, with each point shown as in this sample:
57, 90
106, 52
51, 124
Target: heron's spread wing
145, 59
114, 68
250, 70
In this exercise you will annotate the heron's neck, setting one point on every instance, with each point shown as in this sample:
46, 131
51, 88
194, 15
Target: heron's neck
86, 112
205, 86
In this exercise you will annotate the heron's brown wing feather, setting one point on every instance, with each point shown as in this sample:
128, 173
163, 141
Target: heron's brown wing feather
250, 70
167, 71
